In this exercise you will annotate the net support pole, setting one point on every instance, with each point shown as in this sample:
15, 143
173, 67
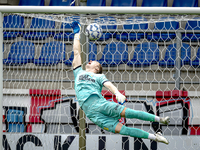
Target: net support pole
82, 138
178, 61
82, 117
1, 77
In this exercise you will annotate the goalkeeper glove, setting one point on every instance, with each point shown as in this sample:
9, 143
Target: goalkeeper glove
120, 98
76, 27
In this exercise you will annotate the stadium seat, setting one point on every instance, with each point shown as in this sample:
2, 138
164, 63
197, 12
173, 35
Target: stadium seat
67, 35
185, 3
121, 3
145, 54
170, 56
92, 51
107, 23
31, 3
192, 25
114, 54
12, 21
52, 53
61, 3
96, 2
15, 115
15, 127
39, 23
15, 119
196, 61
21, 53
69, 61
164, 24
105, 36
133, 23
154, 3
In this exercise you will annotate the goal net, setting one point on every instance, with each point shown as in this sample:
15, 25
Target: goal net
154, 59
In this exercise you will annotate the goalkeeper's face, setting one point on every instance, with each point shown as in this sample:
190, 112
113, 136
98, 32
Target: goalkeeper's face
93, 65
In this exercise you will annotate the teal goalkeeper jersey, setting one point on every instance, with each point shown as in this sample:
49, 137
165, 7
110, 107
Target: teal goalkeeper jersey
87, 83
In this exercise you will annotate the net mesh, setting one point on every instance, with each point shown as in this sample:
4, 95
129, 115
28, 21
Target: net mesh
153, 59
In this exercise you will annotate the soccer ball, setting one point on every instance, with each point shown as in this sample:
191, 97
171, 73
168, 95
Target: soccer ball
93, 31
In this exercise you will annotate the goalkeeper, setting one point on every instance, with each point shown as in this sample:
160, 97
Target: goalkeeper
105, 114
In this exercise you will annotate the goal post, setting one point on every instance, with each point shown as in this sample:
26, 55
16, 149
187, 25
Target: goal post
1, 75
151, 54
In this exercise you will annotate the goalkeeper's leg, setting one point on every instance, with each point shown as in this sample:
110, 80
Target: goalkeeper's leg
134, 132
131, 113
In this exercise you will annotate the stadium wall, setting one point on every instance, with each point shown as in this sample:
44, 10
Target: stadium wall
39, 131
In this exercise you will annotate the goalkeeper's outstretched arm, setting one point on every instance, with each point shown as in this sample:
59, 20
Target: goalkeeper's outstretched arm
120, 97
77, 52
76, 45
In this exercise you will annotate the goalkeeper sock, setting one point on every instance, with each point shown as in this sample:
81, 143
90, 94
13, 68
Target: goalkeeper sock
134, 132
130, 113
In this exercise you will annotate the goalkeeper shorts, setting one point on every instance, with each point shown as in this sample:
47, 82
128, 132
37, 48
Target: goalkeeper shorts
103, 113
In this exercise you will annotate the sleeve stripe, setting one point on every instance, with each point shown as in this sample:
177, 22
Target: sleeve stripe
104, 82
77, 67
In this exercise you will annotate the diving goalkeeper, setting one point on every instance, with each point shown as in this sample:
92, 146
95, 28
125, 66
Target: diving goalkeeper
105, 114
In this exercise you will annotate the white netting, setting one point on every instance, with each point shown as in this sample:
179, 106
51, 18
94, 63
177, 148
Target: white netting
153, 59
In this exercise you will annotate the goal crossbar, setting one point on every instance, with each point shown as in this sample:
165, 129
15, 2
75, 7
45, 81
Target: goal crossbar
99, 10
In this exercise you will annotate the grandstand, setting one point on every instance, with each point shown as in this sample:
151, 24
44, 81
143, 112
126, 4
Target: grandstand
153, 59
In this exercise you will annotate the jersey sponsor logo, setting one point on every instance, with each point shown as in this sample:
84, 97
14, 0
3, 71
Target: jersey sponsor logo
105, 128
116, 107
86, 77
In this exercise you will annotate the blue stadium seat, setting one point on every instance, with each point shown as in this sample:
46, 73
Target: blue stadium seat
39, 23
15, 119
192, 25
121, 3
107, 23
96, 2
12, 21
61, 3
15, 127
92, 51
31, 3
21, 53
67, 36
15, 115
196, 62
145, 54
164, 24
154, 3
170, 56
52, 53
185, 3
105, 36
133, 23
69, 61
114, 54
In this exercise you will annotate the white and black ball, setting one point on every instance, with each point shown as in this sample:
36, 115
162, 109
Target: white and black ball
93, 31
